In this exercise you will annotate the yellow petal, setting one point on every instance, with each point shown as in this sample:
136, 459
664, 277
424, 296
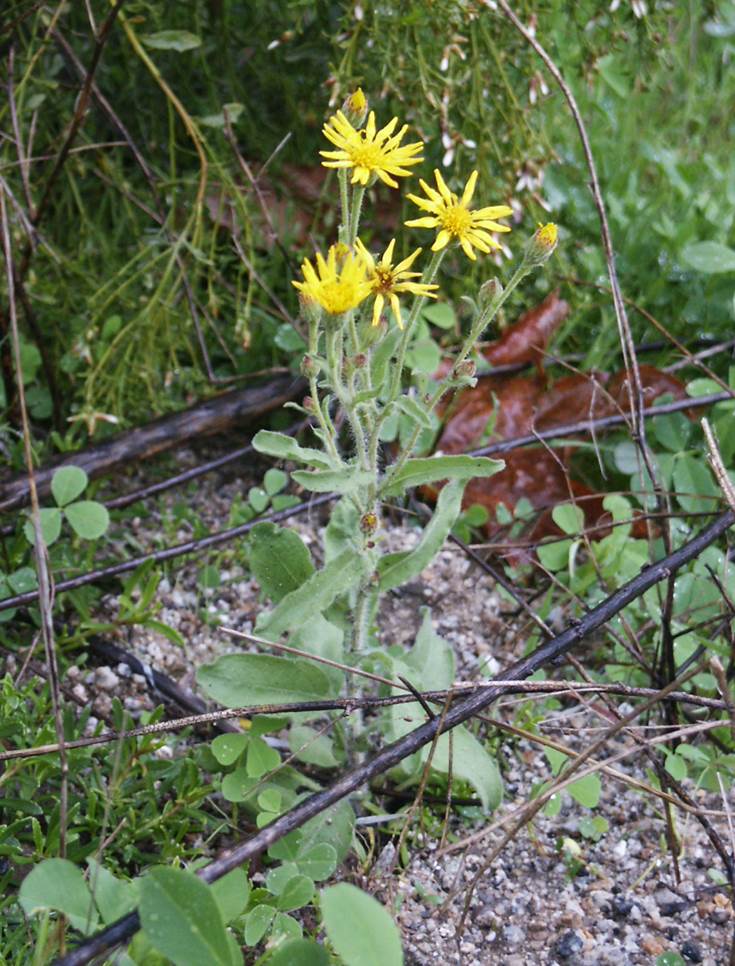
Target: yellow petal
388, 254
370, 127
377, 309
403, 266
469, 189
384, 133
445, 192
396, 306
423, 223
442, 240
467, 248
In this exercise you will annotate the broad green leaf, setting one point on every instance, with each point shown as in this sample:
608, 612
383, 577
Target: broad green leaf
178, 40
382, 354
238, 785
555, 554
274, 481
180, 916
258, 498
298, 892
279, 559
114, 897
67, 483
228, 748
627, 457
311, 747
59, 884
322, 638
431, 657
586, 790
286, 448
342, 530
316, 594
424, 355
300, 952
261, 758
50, 518
277, 879
470, 762
243, 680
397, 568
231, 893
230, 112
333, 827
360, 929
88, 519
440, 314
709, 257
568, 517
414, 410
257, 923
345, 480
286, 928
672, 431
319, 862
676, 767
416, 472
695, 488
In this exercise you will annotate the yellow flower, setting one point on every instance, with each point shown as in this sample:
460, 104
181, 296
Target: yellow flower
387, 280
547, 235
455, 220
540, 246
338, 285
369, 152
355, 107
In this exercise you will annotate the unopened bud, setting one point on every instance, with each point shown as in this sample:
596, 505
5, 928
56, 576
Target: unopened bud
360, 360
465, 370
355, 108
308, 403
368, 523
541, 245
309, 367
489, 291
311, 310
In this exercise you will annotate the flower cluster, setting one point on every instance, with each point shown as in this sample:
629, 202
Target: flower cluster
351, 274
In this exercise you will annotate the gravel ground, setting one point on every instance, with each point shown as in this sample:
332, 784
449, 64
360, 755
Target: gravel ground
616, 904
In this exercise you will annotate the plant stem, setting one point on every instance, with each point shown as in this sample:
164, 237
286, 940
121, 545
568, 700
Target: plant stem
344, 228
358, 193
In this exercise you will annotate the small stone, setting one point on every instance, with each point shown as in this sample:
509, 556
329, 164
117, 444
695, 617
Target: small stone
106, 679
513, 935
568, 944
620, 907
651, 946
691, 951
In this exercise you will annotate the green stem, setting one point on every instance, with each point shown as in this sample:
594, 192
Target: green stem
358, 193
329, 440
483, 320
344, 228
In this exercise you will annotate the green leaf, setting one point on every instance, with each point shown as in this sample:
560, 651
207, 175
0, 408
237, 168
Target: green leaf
440, 314
286, 448
50, 526
59, 884
471, 762
586, 790
238, 785
261, 758
258, 498
23, 580
279, 559
417, 472
431, 657
178, 40
311, 747
414, 410
318, 862
359, 928
114, 897
382, 354
231, 893
257, 923
298, 892
333, 827
228, 748
568, 517
67, 483
180, 916
274, 481
242, 680
676, 767
345, 480
300, 952
709, 257
555, 554
88, 519
694, 485
424, 356
397, 568
316, 594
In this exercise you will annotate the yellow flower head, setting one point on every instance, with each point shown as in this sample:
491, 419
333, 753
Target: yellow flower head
355, 107
540, 246
339, 282
547, 235
455, 220
368, 151
387, 280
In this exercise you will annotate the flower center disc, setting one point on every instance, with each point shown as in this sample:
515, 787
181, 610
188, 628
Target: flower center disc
456, 220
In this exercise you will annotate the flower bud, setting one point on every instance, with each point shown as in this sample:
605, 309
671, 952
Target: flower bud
308, 404
541, 245
465, 370
309, 367
360, 360
368, 523
489, 291
355, 108
310, 309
